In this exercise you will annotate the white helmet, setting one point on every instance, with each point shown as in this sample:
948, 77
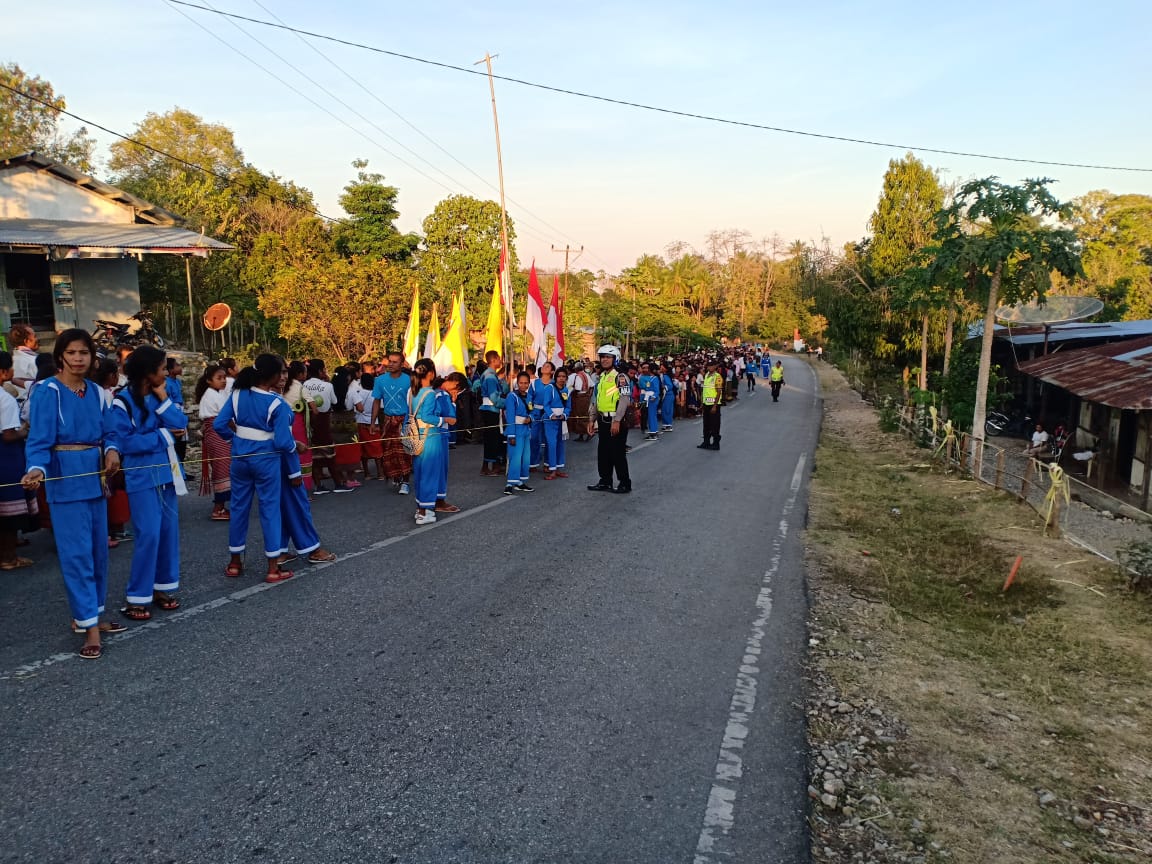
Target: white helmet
610, 350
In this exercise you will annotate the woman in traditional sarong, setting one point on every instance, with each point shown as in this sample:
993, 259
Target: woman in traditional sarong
215, 452
302, 409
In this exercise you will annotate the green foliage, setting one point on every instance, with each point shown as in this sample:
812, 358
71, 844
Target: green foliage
370, 229
958, 387
27, 125
1136, 564
1116, 231
462, 250
903, 221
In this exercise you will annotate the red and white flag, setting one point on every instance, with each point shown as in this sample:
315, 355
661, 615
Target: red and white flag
554, 324
534, 317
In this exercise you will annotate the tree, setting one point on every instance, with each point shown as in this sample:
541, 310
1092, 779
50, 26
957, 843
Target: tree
370, 228
28, 124
462, 250
995, 235
1117, 234
902, 225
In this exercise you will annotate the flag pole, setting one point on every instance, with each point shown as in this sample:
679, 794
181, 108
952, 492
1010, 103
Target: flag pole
505, 275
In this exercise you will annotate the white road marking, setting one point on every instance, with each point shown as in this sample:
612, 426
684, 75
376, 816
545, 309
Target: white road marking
34, 668
720, 812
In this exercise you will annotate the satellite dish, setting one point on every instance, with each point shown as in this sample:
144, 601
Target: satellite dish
1054, 309
217, 316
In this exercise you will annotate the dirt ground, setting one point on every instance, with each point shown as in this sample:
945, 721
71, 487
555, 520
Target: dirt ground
950, 719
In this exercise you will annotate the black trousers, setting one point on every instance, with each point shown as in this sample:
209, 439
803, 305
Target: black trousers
611, 454
493, 440
711, 423
776, 385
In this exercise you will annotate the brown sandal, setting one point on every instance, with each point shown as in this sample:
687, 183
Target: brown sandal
90, 652
165, 601
136, 613
321, 556
234, 570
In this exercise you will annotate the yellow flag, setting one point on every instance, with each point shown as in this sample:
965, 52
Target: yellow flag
432, 343
450, 355
494, 338
412, 331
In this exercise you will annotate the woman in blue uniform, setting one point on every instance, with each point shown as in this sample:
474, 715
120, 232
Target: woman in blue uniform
649, 386
259, 425
667, 398
432, 460
517, 431
537, 396
143, 425
450, 388
556, 414
66, 443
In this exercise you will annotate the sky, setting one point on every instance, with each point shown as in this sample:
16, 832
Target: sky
1052, 81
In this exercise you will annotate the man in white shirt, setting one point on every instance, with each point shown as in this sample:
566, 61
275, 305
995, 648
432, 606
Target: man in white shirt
25, 346
1039, 441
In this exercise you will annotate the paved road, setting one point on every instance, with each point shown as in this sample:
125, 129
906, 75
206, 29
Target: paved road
496, 687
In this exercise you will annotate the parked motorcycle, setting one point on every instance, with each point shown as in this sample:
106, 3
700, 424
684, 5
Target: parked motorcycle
111, 335
1017, 424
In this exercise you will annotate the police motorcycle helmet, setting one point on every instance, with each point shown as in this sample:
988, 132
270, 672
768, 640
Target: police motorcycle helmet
609, 351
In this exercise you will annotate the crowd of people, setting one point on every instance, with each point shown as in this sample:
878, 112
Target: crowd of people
98, 443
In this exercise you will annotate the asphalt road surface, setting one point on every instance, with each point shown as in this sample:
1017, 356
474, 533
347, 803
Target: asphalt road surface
566, 676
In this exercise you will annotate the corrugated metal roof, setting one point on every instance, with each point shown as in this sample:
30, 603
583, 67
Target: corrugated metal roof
145, 210
1034, 335
1118, 375
81, 237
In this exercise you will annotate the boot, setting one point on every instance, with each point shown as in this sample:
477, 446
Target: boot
716, 443
704, 446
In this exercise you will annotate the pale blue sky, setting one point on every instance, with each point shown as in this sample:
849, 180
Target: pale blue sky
1047, 80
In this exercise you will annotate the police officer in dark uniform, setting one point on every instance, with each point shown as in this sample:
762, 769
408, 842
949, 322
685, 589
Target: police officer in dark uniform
610, 400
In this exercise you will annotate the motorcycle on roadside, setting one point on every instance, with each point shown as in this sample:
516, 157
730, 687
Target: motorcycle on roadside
110, 336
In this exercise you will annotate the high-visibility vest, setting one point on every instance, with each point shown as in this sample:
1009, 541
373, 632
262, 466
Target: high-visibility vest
777, 373
607, 393
712, 386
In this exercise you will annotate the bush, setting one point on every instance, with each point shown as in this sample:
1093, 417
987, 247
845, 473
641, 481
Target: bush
1136, 563
889, 415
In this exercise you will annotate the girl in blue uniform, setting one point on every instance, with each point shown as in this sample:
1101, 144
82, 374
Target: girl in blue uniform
517, 425
66, 443
649, 386
667, 398
259, 425
556, 415
295, 511
537, 396
427, 467
143, 425
450, 388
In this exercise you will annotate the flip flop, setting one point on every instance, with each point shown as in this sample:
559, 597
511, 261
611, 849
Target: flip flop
323, 559
234, 570
105, 627
165, 601
136, 613
17, 563
450, 508
279, 576
90, 652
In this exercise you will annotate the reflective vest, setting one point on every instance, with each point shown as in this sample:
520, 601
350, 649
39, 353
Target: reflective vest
712, 386
777, 373
607, 393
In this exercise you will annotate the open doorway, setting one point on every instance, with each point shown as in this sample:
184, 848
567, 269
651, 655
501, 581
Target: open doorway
28, 283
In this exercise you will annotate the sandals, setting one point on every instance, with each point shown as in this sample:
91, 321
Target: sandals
445, 507
279, 575
165, 601
90, 652
321, 556
16, 563
234, 570
136, 613
221, 516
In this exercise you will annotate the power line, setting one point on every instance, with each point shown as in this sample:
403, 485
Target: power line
670, 111
414, 127
225, 178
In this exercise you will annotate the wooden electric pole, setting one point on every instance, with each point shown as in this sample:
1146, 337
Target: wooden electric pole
567, 250
506, 275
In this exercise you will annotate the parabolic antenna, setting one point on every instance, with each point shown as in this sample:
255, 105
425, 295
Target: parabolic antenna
1053, 309
217, 316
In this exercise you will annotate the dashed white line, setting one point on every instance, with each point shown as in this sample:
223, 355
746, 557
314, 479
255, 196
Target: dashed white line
720, 811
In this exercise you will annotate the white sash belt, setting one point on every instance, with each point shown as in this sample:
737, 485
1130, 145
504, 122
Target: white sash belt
177, 473
250, 434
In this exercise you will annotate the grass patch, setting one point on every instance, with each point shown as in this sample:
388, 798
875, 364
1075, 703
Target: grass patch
1043, 687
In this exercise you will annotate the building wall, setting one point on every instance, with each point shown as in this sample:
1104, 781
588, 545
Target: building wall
26, 193
107, 288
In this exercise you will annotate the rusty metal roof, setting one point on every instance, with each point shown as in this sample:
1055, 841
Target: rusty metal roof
1118, 375
91, 239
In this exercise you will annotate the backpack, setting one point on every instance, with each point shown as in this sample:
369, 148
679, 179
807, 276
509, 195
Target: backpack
415, 431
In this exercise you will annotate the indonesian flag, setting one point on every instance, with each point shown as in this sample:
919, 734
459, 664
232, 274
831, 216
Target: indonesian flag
553, 325
534, 317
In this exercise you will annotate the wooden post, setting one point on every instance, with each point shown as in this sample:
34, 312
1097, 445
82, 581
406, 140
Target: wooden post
191, 311
507, 272
1026, 480
978, 465
998, 482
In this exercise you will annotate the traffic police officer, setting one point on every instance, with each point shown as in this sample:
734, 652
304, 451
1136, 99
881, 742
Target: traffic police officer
776, 381
712, 397
610, 401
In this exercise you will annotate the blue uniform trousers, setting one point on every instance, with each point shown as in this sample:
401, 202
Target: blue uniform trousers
518, 464
554, 436
296, 515
652, 408
537, 443
256, 476
82, 547
427, 469
156, 549
667, 408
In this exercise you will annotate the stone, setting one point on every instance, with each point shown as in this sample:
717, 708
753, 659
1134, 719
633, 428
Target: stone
843, 708
829, 801
1082, 823
1044, 797
835, 786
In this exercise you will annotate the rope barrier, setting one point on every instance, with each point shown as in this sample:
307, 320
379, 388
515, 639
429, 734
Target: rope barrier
1059, 488
309, 448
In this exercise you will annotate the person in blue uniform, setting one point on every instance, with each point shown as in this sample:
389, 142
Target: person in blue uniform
667, 397
517, 431
556, 414
144, 424
175, 389
538, 394
295, 512
66, 442
259, 425
649, 385
492, 391
428, 465
765, 365
450, 389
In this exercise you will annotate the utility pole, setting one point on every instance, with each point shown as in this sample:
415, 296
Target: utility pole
191, 311
568, 250
506, 276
